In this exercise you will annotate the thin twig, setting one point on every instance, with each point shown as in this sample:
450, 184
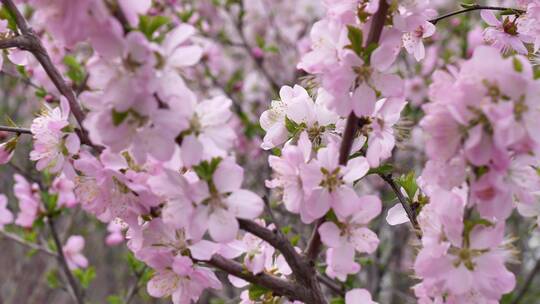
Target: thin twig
30, 245
527, 284
239, 24
332, 285
377, 24
283, 287
15, 130
135, 286
474, 8
29, 41
74, 286
404, 202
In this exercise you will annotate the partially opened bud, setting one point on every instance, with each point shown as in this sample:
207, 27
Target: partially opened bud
7, 149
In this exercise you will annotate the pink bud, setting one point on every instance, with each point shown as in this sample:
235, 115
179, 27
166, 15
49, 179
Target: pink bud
49, 98
257, 52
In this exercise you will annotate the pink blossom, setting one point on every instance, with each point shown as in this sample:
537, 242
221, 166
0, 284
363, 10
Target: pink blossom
53, 146
64, 187
381, 139
29, 201
6, 217
73, 252
341, 263
287, 172
7, 150
297, 106
416, 27
181, 280
358, 295
115, 235
353, 230
331, 184
504, 35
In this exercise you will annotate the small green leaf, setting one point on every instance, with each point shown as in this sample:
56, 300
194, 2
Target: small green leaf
118, 117
337, 301
382, 169
149, 24
256, 292
408, 183
115, 299
368, 51
260, 41
52, 279
356, 37
75, 70
518, 66
85, 276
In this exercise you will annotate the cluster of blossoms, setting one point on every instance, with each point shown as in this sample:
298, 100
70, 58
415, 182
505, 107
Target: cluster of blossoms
482, 150
160, 166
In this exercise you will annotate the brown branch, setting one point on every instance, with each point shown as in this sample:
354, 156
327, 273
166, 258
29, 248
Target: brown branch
477, 7
404, 202
30, 245
335, 287
239, 25
15, 130
278, 241
282, 287
29, 41
314, 243
352, 122
74, 286
527, 284
377, 24
301, 267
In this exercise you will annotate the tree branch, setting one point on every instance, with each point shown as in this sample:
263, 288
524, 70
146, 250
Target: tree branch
23, 242
15, 130
280, 286
278, 241
74, 286
377, 24
477, 7
28, 41
239, 24
527, 284
403, 201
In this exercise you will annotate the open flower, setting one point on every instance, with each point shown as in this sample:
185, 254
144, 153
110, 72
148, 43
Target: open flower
73, 252
53, 143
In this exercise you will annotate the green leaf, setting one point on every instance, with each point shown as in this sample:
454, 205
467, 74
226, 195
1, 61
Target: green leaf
185, 16
368, 51
337, 301
518, 66
382, 169
118, 117
295, 239
50, 200
52, 279
149, 24
291, 126
206, 169
75, 70
256, 292
408, 183
271, 49
259, 40
5, 14
286, 230
115, 299
41, 93
356, 37
85, 276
